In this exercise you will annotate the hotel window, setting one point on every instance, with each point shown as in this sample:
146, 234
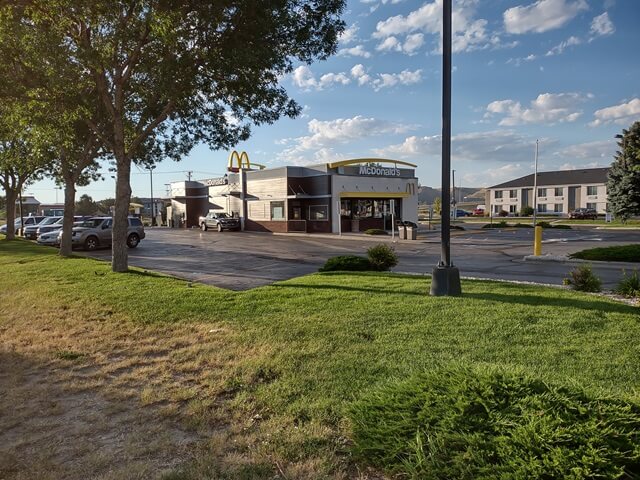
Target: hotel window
542, 208
277, 210
592, 190
513, 193
512, 209
558, 191
498, 194
593, 206
542, 192
557, 208
318, 212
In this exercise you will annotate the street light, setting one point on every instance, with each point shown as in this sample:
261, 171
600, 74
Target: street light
153, 216
445, 280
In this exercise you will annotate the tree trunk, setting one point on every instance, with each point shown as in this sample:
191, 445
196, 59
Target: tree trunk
69, 211
120, 255
11, 213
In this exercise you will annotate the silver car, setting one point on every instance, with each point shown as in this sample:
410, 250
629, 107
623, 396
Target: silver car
97, 232
30, 220
31, 231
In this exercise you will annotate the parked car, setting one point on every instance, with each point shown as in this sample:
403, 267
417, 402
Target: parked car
478, 212
31, 220
50, 238
584, 214
219, 221
31, 231
57, 225
98, 231
460, 213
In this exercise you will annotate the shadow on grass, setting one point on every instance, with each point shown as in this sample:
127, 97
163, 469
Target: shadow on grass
348, 288
541, 300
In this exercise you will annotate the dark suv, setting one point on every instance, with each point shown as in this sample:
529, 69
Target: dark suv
219, 221
584, 214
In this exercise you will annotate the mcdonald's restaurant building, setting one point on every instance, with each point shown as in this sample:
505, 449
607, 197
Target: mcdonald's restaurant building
345, 196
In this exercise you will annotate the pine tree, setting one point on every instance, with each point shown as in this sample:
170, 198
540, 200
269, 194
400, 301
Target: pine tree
623, 186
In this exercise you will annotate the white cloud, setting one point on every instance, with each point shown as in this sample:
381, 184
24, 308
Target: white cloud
359, 73
304, 78
546, 108
410, 46
406, 77
325, 135
601, 151
602, 26
542, 15
468, 33
558, 49
497, 145
357, 51
349, 35
624, 113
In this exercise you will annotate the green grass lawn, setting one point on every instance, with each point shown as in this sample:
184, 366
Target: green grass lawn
619, 253
320, 342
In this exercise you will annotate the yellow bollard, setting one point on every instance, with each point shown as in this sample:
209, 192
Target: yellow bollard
537, 242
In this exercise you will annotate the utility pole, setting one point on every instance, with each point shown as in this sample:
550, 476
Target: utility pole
189, 175
445, 280
453, 193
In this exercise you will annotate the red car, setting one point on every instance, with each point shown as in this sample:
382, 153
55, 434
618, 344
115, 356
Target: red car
478, 212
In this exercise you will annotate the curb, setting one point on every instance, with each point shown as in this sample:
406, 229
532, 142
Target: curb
578, 261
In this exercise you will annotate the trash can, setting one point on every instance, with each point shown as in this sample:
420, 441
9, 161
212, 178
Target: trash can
402, 232
412, 232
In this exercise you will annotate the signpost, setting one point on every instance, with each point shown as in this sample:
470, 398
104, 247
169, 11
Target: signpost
445, 280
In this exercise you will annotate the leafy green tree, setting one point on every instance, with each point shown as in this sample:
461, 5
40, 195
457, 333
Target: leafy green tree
86, 206
437, 206
172, 74
623, 186
20, 163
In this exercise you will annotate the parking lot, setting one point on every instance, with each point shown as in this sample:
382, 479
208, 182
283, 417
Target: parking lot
242, 260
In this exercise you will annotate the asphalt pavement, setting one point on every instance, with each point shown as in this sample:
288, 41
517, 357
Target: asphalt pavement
243, 260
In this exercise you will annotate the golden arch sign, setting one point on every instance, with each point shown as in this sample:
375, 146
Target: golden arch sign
242, 162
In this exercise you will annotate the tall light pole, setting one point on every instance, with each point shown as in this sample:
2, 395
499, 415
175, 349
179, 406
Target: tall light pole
445, 279
153, 215
535, 186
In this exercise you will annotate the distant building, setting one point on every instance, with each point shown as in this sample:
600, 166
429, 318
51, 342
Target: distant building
559, 192
344, 196
29, 206
51, 209
158, 206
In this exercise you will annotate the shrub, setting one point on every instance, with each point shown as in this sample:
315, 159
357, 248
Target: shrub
583, 279
629, 286
526, 211
352, 263
503, 213
375, 231
523, 225
456, 227
382, 257
500, 224
544, 224
619, 253
472, 423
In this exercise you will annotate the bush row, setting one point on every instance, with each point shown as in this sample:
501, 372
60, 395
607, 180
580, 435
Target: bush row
379, 258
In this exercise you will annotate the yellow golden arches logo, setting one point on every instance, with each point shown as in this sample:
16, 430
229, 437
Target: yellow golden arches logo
242, 162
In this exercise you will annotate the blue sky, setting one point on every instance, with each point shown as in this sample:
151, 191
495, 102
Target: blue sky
565, 72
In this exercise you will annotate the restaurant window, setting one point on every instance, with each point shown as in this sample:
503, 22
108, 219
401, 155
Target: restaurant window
558, 191
498, 194
277, 210
592, 190
363, 209
318, 212
297, 213
345, 208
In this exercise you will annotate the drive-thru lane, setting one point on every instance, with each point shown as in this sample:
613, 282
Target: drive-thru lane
241, 260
